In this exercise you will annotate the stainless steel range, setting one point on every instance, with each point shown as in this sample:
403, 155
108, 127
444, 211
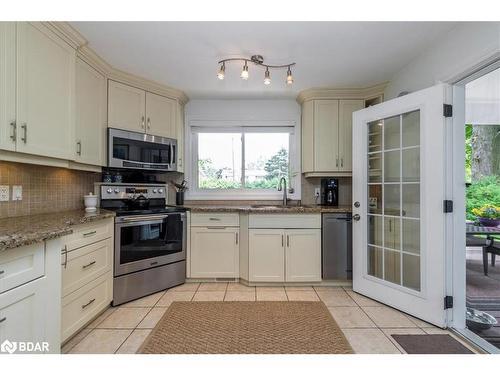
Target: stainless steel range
150, 240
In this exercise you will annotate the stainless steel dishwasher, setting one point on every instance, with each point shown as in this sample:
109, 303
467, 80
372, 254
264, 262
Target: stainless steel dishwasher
337, 246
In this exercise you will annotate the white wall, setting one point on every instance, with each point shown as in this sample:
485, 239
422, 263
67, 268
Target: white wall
465, 46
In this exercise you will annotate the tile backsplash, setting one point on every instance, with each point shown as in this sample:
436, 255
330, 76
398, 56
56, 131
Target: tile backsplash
45, 189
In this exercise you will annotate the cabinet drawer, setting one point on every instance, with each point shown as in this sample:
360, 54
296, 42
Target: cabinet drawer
21, 265
215, 220
85, 264
89, 233
285, 221
80, 307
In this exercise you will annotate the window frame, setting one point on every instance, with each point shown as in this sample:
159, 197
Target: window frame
197, 126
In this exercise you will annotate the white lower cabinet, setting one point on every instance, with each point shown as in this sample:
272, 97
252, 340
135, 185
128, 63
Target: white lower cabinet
303, 255
266, 258
214, 252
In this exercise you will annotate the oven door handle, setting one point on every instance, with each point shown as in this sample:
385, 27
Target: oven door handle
150, 219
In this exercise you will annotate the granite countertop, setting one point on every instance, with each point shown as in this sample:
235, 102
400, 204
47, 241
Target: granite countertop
267, 209
26, 230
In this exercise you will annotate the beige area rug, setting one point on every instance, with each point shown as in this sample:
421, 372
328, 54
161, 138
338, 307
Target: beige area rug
246, 328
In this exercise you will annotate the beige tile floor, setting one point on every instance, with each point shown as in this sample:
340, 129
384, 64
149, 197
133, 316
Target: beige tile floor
367, 324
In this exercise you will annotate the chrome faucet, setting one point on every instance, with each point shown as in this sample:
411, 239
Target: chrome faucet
280, 188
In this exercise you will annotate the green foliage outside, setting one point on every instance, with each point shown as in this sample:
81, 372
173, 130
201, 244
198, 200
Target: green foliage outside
468, 153
482, 192
276, 167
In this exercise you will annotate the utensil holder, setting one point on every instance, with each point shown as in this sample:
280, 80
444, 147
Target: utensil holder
179, 198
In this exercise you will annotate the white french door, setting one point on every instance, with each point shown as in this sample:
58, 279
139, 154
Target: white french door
399, 185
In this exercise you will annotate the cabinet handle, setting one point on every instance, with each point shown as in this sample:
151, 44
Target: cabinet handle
2, 272
390, 225
14, 131
149, 123
88, 234
3, 319
88, 303
282, 241
142, 122
214, 219
88, 265
342, 162
236, 238
287, 240
65, 250
79, 148
337, 162
216, 227
25, 130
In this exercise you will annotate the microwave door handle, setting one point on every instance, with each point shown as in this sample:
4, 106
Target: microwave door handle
172, 154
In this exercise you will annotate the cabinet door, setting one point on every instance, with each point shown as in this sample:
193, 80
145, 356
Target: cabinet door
346, 108
45, 92
161, 114
326, 130
303, 255
180, 137
214, 252
90, 129
126, 107
7, 85
266, 252
308, 136
22, 313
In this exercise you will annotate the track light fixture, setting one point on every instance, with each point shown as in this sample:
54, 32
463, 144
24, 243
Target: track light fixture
259, 61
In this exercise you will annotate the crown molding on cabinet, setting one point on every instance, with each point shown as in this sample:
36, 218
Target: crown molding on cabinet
342, 93
78, 41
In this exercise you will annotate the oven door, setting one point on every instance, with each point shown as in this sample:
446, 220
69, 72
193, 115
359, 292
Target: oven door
143, 242
141, 151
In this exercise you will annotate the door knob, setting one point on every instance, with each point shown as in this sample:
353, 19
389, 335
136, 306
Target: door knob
356, 204
356, 217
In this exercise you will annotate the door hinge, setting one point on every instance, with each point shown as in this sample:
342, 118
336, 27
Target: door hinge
448, 302
447, 110
447, 206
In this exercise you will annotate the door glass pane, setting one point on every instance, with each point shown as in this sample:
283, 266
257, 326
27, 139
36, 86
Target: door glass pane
375, 167
411, 165
375, 230
411, 271
392, 266
375, 136
411, 200
391, 166
391, 133
411, 236
391, 199
411, 129
375, 199
392, 233
375, 262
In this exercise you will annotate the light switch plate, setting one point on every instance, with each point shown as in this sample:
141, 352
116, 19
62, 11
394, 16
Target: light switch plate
4, 193
17, 193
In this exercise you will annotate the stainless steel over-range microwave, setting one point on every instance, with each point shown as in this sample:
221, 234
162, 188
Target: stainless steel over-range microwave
127, 149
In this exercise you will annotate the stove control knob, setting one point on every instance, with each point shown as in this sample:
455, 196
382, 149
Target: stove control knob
117, 191
160, 191
109, 191
154, 191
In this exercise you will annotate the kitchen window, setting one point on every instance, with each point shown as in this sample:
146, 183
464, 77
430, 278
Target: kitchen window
242, 162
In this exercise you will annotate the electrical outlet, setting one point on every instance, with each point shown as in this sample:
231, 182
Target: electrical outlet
17, 193
4, 193
316, 192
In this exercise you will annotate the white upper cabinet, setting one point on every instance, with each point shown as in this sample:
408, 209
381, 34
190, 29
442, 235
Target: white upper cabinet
45, 92
7, 85
130, 108
327, 136
90, 129
161, 115
126, 107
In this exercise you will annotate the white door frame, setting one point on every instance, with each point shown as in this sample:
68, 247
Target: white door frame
455, 263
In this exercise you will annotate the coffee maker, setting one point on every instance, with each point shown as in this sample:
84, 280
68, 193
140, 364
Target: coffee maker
329, 192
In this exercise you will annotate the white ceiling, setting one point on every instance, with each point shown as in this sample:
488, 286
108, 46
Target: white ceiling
184, 55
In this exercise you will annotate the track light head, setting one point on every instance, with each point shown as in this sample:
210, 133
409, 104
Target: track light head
289, 77
267, 77
244, 72
222, 70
